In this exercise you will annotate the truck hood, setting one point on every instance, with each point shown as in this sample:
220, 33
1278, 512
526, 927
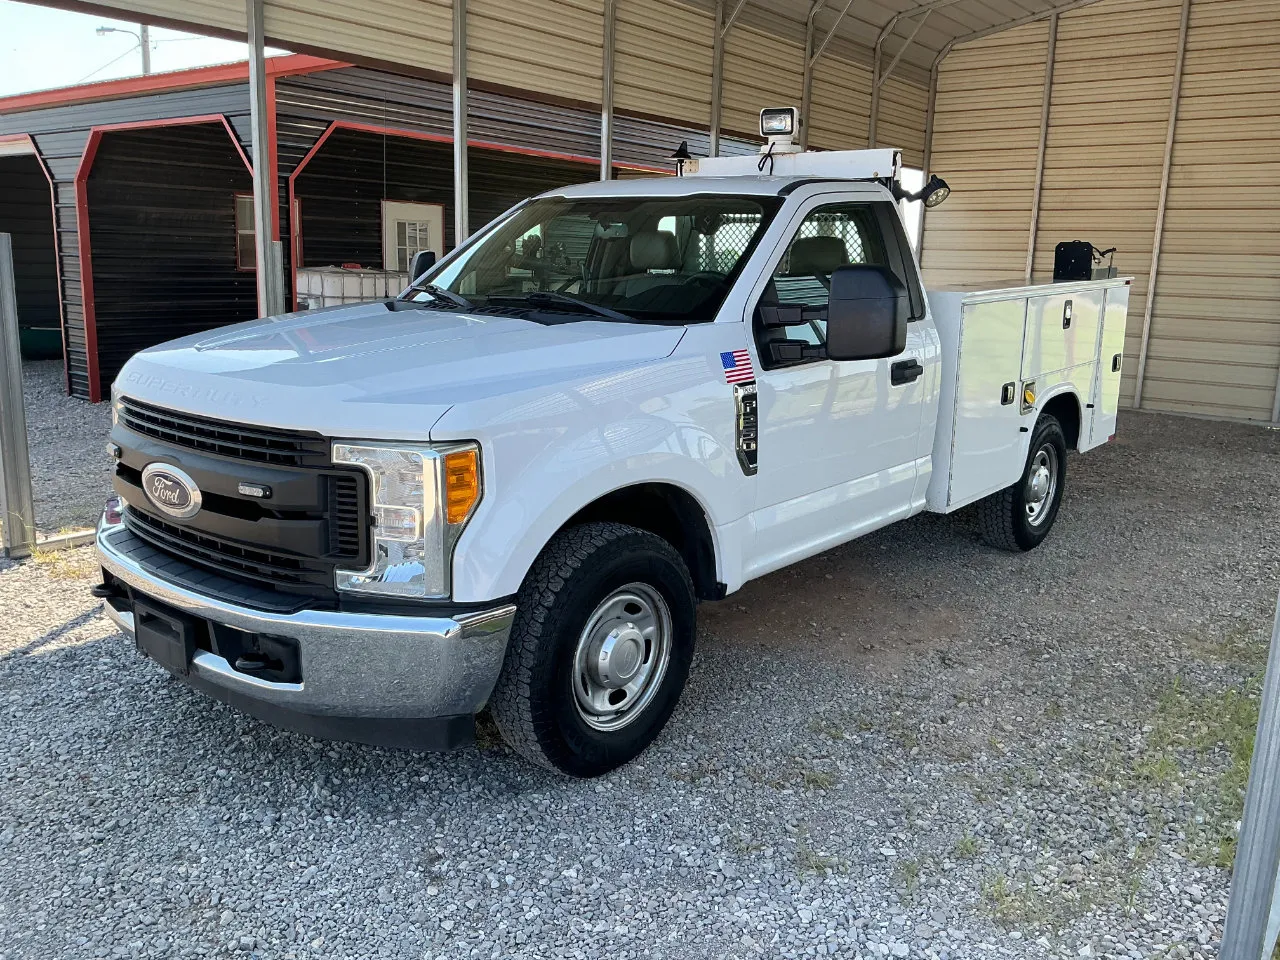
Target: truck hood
370, 371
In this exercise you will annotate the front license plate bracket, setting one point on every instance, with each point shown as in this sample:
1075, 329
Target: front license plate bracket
166, 636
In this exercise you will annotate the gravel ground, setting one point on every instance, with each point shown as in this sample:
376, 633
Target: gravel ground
912, 746
70, 470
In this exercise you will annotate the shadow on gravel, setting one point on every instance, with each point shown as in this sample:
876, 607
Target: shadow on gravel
53, 636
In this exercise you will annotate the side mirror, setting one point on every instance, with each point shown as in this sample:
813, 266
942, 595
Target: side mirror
867, 314
423, 261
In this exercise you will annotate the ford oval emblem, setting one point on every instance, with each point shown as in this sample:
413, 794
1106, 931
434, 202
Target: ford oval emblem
171, 490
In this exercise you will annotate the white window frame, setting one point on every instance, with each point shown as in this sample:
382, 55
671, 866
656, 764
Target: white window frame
243, 231
396, 211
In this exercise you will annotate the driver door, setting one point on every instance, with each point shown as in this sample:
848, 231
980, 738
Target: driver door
838, 439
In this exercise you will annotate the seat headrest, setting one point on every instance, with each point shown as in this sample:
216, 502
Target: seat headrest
654, 250
817, 256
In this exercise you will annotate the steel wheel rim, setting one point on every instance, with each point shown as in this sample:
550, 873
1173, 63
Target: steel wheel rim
1042, 484
622, 657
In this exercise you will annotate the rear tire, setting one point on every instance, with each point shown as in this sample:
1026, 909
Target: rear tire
599, 651
1019, 517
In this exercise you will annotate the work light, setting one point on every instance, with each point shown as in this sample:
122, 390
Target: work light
420, 497
779, 121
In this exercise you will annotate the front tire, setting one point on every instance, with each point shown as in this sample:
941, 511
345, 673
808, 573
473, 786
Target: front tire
1019, 517
599, 651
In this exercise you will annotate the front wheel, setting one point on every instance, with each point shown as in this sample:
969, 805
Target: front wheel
1020, 516
599, 651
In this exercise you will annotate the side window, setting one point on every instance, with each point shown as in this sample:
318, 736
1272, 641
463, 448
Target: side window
829, 237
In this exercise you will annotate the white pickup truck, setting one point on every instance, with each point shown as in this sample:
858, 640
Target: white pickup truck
512, 484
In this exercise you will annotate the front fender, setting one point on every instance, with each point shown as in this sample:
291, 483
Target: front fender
547, 455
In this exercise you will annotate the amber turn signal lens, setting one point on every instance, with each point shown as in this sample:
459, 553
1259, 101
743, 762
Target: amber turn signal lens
461, 484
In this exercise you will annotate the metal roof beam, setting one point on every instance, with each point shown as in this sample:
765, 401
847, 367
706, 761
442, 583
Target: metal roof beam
878, 77
925, 8
732, 18
817, 54
903, 49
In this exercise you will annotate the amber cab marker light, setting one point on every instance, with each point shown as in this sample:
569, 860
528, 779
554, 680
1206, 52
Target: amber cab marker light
461, 484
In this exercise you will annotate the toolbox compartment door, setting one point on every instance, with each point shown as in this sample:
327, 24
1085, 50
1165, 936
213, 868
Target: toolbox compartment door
1062, 332
1106, 382
986, 447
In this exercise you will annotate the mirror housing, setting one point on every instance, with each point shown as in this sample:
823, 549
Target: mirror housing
867, 314
422, 261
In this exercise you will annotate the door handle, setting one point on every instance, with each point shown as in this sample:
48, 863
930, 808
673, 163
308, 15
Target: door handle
905, 371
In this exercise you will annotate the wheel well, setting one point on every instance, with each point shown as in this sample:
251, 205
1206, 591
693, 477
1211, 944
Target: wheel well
672, 514
1066, 407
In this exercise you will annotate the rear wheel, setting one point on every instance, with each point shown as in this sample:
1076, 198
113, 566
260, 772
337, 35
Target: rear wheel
1020, 516
599, 651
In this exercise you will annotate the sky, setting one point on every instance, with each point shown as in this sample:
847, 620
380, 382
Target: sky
41, 48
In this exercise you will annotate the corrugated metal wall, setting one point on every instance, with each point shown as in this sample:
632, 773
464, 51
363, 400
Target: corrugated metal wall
662, 60
1214, 341
841, 108
1108, 117
759, 71
548, 46
902, 114
417, 33
26, 213
60, 134
1215, 334
163, 238
985, 137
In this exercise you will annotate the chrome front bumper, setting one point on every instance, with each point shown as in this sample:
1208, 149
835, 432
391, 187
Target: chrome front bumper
388, 679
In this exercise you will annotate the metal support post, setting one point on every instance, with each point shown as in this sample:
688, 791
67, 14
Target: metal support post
17, 508
144, 40
1045, 102
270, 280
1175, 94
811, 60
873, 115
929, 113
1275, 405
720, 28
1253, 882
911, 38
461, 191
879, 76
606, 89
806, 87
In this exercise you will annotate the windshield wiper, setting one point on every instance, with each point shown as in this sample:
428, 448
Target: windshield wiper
550, 298
440, 293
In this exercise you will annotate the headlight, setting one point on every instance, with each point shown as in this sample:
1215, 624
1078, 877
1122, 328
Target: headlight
421, 497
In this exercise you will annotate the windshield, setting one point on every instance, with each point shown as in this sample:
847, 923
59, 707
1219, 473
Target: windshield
669, 260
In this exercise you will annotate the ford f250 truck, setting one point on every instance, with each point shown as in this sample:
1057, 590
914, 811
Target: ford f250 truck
512, 485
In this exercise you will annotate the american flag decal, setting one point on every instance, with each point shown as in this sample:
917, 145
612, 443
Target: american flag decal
737, 366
